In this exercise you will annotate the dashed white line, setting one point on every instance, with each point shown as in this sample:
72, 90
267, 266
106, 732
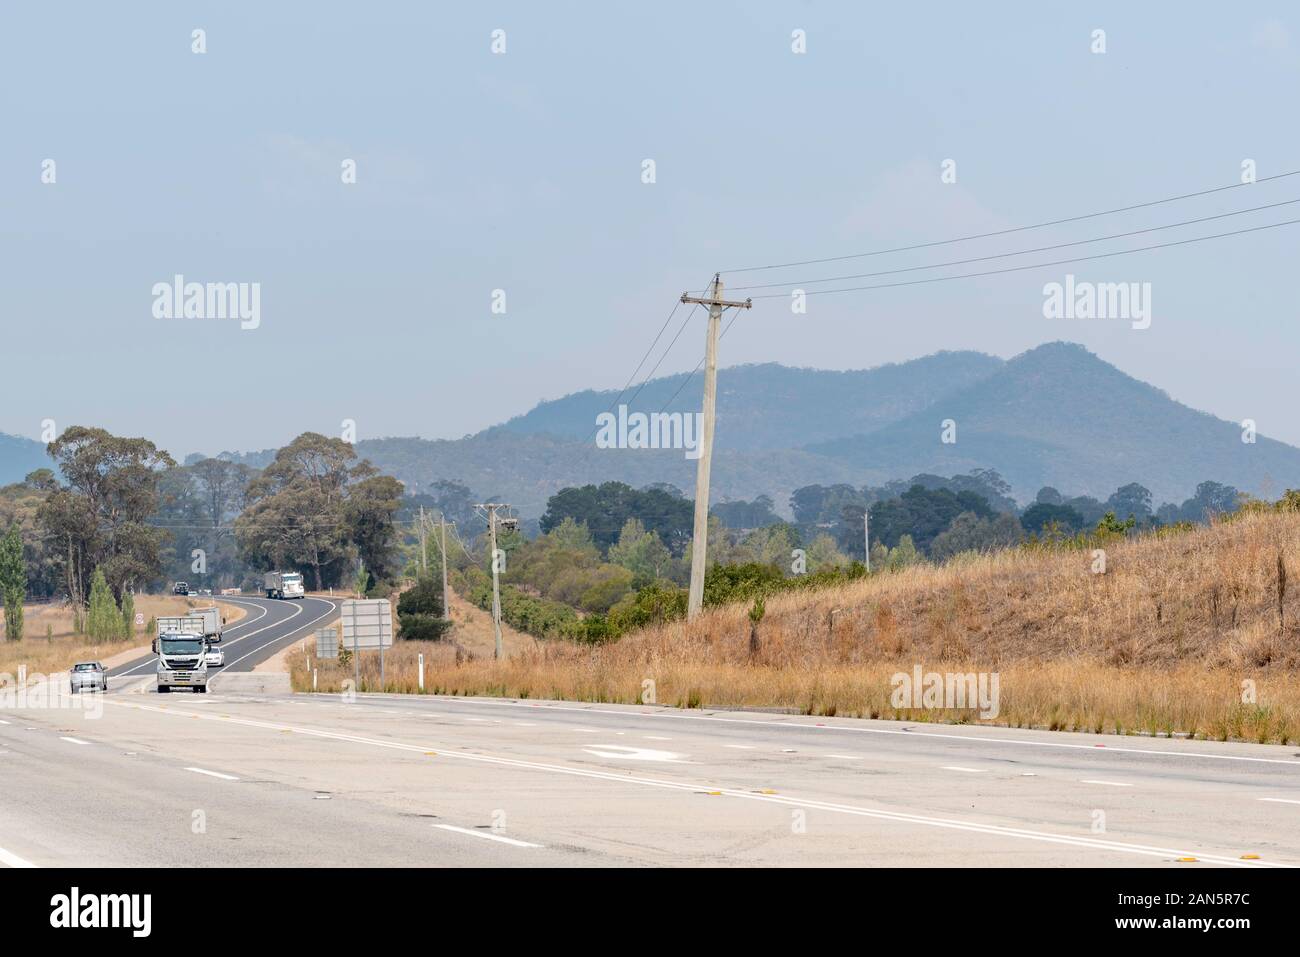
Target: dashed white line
214, 774
72, 740
740, 747
954, 767
3, 721
485, 835
846, 757
1113, 784
1280, 800
623, 778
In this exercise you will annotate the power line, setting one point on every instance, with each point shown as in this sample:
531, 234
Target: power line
1056, 262
627, 385
1023, 252
1014, 229
690, 375
676, 305
650, 375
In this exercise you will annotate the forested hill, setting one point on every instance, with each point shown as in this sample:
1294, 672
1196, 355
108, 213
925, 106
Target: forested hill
771, 406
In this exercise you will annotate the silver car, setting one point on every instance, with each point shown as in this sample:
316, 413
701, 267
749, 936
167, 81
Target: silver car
88, 676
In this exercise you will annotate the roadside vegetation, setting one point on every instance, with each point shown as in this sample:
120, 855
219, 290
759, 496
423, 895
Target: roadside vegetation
1190, 630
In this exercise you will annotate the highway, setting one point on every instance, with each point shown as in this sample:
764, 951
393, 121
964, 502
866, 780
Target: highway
267, 627
247, 779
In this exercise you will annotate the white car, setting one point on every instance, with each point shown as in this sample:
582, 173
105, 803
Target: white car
214, 656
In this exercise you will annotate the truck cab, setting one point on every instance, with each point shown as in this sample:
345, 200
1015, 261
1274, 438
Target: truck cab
182, 661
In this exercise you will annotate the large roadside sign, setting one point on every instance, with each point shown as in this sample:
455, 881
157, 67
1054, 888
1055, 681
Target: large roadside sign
367, 623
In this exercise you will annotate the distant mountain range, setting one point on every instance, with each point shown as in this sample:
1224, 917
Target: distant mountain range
19, 457
1055, 415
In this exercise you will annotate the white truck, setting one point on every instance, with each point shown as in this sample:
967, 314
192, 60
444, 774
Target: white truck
181, 647
181, 662
283, 585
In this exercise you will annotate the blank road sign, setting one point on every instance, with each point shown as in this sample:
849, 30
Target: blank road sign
367, 623
327, 643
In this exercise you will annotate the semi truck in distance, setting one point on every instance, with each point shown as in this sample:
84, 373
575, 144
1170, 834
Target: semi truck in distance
283, 585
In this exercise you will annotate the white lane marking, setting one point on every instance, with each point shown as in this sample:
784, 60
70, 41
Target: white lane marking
525, 724
587, 730
485, 835
215, 774
655, 737
968, 738
1113, 784
3, 721
953, 767
332, 610
740, 747
10, 859
695, 788
632, 754
846, 757
72, 740
1280, 800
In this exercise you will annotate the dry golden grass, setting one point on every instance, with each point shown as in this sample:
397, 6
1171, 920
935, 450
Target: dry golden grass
63, 648
1161, 643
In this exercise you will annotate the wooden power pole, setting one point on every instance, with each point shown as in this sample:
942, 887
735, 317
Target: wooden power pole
490, 508
700, 538
442, 527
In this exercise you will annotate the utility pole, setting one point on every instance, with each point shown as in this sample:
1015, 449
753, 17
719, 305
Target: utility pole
424, 554
442, 527
866, 536
508, 523
700, 537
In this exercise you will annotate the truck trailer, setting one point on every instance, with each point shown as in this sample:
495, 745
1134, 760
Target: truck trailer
283, 585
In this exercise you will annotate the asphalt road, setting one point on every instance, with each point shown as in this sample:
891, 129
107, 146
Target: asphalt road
267, 628
244, 779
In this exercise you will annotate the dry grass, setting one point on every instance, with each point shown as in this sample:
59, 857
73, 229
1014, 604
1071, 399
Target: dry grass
1161, 643
64, 648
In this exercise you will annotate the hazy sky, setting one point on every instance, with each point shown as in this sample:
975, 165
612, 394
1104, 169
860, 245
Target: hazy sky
522, 171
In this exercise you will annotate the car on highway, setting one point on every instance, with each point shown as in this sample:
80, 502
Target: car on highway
88, 676
181, 588
215, 657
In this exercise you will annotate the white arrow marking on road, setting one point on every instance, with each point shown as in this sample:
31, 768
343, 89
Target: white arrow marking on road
632, 754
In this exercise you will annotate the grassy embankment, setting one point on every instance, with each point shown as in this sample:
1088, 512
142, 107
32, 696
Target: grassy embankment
64, 648
1160, 643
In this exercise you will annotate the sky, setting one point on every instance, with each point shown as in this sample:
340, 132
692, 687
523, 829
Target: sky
524, 171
